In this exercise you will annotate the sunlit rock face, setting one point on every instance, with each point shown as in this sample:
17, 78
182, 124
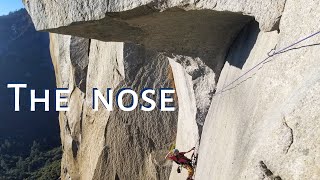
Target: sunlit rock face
263, 122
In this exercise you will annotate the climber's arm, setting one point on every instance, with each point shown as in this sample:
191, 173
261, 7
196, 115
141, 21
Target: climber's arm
189, 150
168, 155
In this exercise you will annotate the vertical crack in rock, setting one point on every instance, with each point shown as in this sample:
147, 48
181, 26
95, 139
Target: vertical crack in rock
75, 148
89, 45
81, 116
116, 177
276, 24
139, 134
67, 126
290, 136
79, 55
203, 84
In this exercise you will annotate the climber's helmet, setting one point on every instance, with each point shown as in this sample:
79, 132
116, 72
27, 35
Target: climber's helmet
175, 152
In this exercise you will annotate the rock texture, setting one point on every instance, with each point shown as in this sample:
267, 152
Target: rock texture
99, 145
262, 126
272, 114
49, 14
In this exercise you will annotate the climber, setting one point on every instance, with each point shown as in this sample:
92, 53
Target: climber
182, 160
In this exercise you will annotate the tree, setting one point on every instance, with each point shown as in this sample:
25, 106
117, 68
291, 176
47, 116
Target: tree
21, 165
4, 165
35, 149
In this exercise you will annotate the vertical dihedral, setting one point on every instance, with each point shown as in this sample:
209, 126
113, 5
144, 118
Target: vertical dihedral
70, 59
86, 135
79, 55
135, 141
69, 123
104, 69
187, 128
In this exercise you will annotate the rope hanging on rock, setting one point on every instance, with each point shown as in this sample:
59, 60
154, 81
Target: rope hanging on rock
270, 54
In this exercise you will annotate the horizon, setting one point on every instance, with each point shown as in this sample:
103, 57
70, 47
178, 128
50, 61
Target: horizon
10, 6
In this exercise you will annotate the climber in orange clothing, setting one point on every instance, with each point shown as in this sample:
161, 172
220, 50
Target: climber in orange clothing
182, 160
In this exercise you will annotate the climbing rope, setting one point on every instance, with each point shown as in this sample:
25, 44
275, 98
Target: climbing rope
270, 54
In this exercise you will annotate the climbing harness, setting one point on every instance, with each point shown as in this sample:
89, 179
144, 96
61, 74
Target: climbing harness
272, 53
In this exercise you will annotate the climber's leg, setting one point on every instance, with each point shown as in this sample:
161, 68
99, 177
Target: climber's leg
190, 171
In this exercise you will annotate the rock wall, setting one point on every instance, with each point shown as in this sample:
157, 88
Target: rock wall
101, 144
267, 124
263, 126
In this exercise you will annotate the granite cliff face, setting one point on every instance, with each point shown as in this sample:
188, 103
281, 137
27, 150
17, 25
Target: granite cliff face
263, 126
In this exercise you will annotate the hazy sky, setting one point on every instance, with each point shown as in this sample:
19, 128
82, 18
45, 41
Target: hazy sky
7, 6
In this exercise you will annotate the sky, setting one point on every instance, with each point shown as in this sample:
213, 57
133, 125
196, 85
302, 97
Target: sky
7, 6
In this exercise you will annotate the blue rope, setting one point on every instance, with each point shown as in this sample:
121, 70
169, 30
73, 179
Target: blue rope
264, 60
